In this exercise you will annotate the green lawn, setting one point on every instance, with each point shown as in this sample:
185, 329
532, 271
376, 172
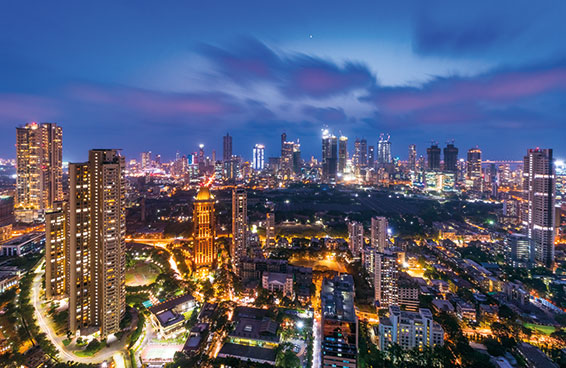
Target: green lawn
142, 273
546, 330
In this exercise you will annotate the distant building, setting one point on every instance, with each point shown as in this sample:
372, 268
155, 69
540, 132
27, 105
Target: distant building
386, 280
371, 156
339, 323
412, 161
378, 232
270, 229
539, 193
227, 148
342, 154
355, 238
329, 157
239, 225
450, 158
384, 149
409, 329
258, 157
363, 152
433, 157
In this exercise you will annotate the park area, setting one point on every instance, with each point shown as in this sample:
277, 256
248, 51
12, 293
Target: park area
142, 273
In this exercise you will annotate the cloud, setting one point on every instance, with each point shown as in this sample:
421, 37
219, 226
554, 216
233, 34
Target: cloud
295, 74
25, 107
326, 114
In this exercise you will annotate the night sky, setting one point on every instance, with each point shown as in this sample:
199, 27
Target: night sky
167, 75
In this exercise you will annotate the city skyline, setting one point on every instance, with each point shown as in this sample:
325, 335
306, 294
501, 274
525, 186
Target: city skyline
420, 73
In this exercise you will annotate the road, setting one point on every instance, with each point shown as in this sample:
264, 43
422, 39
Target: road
316, 342
105, 354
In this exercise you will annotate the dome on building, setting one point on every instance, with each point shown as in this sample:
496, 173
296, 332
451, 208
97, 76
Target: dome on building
203, 194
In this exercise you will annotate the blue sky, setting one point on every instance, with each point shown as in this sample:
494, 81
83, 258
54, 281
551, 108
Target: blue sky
166, 76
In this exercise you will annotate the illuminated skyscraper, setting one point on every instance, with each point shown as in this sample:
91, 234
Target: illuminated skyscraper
227, 148
146, 160
55, 252
270, 229
96, 243
329, 157
297, 161
433, 157
39, 155
287, 148
356, 157
342, 154
474, 163
239, 225
204, 228
384, 149
386, 279
450, 158
258, 157
371, 156
379, 233
412, 162
355, 238
539, 194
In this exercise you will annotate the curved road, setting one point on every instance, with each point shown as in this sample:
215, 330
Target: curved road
105, 354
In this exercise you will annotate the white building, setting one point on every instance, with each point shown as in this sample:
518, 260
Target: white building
356, 238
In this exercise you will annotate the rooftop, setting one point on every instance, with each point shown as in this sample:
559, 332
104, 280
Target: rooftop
248, 352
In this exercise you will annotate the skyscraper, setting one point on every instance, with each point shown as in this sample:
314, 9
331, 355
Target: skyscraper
450, 158
355, 238
287, 148
379, 233
339, 324
204, 228
39, 155
384, 149
342, 153
433, 157
239, 225
386, 279
258, 157
356, 157
97, 233
329, 157
363, 152
270, 229
539, 195
227, 148
146, 160
474, 163
371, 156
412, 162
55, 252
297, 161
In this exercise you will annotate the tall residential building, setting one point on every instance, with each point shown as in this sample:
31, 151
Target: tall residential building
287, 148
410, 330
239, 225
258, 157
227, 147
342, 153
384, 149
474, 163
329, 157
412, 162
204, 228
386, 278
363, 152
270, 229
297, 161
39, 161
357, 153
339, 324
450, 158
146, 160
371, 156
356, 238
378, 232
433, 157
55, 252
518, 250
96, 242
539, 192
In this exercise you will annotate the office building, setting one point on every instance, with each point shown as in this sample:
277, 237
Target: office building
450, 158
270, 229
342, 154
55, 252
474, 163
371, 156
412, 161
339, 323
518, 250
239, 225
146, 160
539, 193
356, 238
410, 330
227, 148
386, 278
433, 157
204, 228
96, 243
39, 161
297, 161
258, 157
384, 149
357, 153
363, 152
378, 233
329, 157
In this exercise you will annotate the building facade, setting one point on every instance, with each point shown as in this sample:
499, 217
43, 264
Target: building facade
239, 225
204, 228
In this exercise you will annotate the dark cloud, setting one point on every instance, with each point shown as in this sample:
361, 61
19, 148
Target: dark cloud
326, 114
296, 75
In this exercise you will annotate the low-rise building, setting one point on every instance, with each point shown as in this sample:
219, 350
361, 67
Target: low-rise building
441, 305
168, 317
409, 329
28, 243
278, 282
466, 311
